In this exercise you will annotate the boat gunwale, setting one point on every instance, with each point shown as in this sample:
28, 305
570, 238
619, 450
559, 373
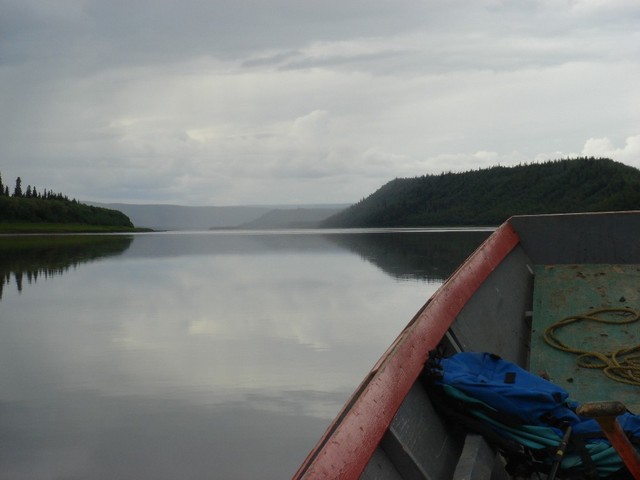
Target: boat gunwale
349, 442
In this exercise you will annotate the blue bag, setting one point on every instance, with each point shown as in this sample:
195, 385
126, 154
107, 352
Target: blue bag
508, 388
528, 410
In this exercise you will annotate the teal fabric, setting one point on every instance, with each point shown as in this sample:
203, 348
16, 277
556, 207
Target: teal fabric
536, 437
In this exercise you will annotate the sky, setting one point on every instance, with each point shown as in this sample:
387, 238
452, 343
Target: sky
234, 102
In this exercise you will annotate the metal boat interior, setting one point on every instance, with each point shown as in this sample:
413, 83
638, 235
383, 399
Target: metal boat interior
389, 428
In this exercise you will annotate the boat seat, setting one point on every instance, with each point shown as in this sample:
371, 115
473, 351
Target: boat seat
479, 461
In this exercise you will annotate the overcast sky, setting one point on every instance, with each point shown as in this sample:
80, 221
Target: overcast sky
228, 102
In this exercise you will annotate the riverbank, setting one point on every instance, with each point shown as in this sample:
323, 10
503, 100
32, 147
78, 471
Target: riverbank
52, 228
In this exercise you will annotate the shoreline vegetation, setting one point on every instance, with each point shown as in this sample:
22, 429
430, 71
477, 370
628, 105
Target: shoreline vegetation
47, 212
19, 228
490, 196
483, 197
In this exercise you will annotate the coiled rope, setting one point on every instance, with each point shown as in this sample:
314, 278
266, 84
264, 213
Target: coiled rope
622, 365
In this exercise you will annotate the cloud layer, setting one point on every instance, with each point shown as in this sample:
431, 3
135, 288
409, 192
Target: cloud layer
223, 102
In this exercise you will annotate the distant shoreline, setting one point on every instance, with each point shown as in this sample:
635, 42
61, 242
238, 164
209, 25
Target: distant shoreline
12, 228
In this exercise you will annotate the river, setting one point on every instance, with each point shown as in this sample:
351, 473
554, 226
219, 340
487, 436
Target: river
197, 355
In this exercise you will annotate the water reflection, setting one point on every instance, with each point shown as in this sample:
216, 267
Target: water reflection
431, 256
31, 257
197, 355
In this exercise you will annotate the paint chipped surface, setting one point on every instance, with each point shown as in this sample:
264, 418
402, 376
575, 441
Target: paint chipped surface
564, 290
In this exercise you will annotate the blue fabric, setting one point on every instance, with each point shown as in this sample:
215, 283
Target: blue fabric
539, 437
492, 388
529, 397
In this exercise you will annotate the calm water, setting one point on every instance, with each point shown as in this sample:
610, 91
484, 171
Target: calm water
196, 355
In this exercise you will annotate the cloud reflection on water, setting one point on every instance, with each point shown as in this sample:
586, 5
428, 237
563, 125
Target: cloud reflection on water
192, 354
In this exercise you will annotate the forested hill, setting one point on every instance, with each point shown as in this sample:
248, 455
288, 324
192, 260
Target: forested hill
32, 207
58, 211
490, 196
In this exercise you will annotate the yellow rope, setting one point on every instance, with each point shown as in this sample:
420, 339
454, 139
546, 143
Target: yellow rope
622, 365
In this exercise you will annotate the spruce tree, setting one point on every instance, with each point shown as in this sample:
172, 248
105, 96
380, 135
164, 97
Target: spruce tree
18, 190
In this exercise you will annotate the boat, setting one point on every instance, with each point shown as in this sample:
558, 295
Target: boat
531, 267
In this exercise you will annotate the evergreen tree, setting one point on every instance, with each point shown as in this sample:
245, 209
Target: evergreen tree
1, 185
18, 190
490, 196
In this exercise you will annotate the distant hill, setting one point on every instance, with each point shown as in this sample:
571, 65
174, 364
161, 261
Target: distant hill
292, 218
177, 217
490, 196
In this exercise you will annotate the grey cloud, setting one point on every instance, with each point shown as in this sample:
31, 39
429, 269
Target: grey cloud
151, 31
97, 34
158, 31
202, 100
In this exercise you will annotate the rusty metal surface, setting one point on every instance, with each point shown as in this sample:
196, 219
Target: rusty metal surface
601, 409
605, 414
564, 290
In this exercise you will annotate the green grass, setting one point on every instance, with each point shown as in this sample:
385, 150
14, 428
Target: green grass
16, 227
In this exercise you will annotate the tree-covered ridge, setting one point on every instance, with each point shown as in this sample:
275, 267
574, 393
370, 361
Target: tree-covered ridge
490, 196
31, 206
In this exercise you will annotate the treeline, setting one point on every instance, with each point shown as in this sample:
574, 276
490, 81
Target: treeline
31, 192
490, 196
32, 206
